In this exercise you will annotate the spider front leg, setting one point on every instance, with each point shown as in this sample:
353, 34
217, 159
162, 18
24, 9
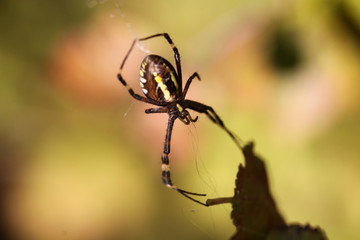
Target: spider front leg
188, 82
165, 166
209, 111
131, 91
157, 110
134, 95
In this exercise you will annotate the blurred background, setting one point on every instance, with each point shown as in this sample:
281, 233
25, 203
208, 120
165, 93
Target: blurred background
79, 159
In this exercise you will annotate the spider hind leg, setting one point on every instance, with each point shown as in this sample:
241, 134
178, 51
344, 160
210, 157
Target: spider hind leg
212, 115
188, 82
166, 179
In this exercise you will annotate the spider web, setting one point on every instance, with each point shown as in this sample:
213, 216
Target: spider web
200, 166
207, 178
117, 12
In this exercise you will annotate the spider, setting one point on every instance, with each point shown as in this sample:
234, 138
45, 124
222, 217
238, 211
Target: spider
162, 86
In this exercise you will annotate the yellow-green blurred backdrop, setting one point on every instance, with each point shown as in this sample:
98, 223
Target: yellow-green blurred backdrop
81, 160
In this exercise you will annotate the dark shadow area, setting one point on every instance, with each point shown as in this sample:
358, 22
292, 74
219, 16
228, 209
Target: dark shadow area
345, 15
283, 49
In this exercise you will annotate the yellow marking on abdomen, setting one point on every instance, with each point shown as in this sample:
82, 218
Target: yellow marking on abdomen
163, 87
158, 79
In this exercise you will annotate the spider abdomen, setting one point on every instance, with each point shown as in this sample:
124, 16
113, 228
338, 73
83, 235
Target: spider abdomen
158, 79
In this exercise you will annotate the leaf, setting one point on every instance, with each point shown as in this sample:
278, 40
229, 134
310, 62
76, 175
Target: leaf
297, 232
254, 210
254, 213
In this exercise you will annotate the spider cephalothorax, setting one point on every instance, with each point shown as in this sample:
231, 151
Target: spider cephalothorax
162, 86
